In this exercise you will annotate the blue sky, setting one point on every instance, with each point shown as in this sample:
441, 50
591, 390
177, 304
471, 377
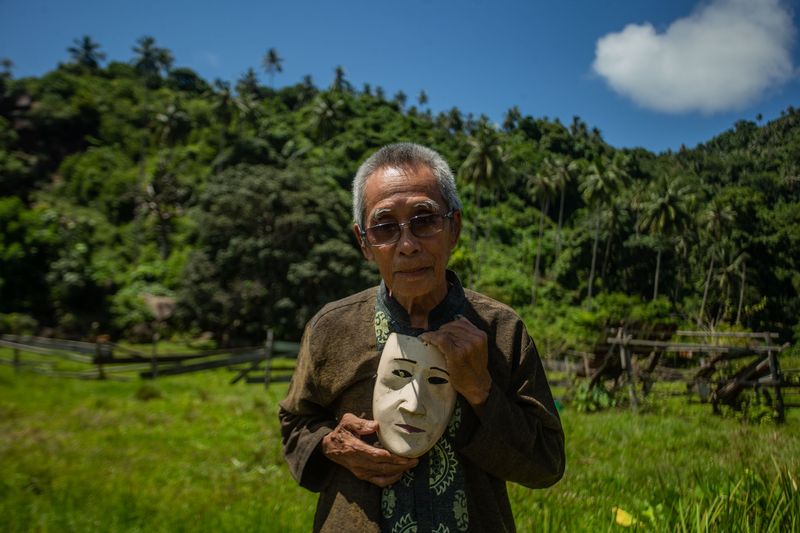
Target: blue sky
646, 73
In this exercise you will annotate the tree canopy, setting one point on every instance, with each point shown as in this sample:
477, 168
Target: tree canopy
124, 178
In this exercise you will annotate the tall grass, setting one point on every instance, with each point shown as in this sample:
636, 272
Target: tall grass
193, 453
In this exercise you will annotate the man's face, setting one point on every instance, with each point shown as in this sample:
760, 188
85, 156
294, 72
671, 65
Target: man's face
413, 267
413, 398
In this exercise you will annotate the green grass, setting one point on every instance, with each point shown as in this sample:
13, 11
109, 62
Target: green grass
192, 453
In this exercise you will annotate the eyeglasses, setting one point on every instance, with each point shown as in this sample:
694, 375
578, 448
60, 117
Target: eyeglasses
421, 226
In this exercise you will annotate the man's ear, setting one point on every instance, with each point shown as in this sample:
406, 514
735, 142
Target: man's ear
455, 231
366, 251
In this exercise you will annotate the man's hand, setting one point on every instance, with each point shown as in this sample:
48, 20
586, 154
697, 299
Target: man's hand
466, 349
344, 446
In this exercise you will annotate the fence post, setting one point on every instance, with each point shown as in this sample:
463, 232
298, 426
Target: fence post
775, 374
268, 358
153, 354
98, 357
627, 366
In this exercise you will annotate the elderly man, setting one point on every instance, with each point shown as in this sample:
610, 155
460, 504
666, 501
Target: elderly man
504, 427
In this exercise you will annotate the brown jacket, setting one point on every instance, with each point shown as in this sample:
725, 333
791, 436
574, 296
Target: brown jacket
518, 436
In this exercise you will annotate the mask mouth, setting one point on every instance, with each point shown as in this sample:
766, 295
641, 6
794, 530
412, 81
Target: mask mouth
409, 428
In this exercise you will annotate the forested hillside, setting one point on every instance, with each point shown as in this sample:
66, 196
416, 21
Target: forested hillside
139, 177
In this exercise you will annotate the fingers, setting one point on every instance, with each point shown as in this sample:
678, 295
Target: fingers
459, 332
344, 446
359, 426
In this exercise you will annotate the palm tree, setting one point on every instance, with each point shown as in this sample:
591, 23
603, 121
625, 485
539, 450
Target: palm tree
248, 83
455, 122
484, 166
86, 52
666, 214
542, 186
326, 113
422, 98
173, 124
401, 98
731, 269
562, 171
513, 115
600, 184
7, 65
714, 220
614, 216
223, 115
151, 59
339, 82
743, 259
272, 63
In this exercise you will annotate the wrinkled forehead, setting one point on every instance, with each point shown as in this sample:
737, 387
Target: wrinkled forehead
410, 351
390, 184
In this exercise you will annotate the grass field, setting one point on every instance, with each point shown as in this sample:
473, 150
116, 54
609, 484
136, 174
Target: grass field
193, 453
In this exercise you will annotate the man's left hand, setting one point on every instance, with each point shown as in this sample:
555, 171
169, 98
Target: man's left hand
466, 349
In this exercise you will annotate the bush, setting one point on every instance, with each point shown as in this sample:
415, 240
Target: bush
18, 324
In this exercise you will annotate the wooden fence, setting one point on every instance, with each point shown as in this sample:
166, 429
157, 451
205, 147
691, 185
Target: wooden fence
636, 360
253, 364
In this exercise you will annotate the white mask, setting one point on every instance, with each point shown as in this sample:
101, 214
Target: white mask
413, 399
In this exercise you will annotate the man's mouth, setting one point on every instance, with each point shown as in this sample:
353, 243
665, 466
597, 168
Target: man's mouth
413, 271
409, 428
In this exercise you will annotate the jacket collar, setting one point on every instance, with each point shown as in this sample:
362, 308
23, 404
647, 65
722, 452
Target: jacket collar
445, 311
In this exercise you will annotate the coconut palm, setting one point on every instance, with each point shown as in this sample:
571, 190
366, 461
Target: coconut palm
484, 167
731, 270
150, 59
512, 118
666, 213
272, 63
223, 114
601, 182
339, 81
401, 98
422, 98
716, 217
327, 111
542, 186
86, 52
248, 83
562, 171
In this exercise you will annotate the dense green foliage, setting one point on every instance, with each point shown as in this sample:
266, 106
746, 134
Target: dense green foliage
141, 177
192, 453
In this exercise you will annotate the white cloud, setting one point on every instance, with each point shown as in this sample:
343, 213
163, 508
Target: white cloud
722, 56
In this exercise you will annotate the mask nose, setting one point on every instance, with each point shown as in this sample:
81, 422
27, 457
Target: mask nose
411, 401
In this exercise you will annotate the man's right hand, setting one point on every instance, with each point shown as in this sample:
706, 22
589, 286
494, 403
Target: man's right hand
344, 446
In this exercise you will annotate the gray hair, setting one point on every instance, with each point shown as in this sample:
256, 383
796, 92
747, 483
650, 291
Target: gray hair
404, 155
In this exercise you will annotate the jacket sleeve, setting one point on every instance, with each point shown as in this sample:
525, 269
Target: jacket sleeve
304, 422
517, 436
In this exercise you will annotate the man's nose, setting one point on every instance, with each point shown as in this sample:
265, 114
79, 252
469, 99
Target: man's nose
408, 242
411, 401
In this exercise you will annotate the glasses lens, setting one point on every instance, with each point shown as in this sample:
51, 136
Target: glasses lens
425, 225
383, 233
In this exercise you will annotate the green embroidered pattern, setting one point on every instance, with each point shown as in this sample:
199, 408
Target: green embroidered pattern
442, 529
460, 510
381, 328
443, 466
405, 525
388, 502
455, 422
408, 478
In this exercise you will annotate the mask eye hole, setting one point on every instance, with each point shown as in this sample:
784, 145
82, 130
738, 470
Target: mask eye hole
401, 373
436, 380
